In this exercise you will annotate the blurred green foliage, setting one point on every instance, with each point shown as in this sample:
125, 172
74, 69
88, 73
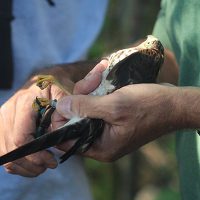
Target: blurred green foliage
168, 194
151, 171
101, 179
126, 21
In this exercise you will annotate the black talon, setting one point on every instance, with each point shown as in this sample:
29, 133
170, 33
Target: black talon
45, 122
44, 117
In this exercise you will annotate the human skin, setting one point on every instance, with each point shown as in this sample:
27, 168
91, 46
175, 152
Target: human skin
134, 115
18, 119
17, 126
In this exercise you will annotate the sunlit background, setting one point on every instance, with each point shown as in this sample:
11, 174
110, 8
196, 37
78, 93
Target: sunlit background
151, 172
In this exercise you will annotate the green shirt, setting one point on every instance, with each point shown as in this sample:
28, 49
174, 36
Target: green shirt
178, 27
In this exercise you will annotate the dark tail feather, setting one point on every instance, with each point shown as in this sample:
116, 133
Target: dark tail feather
45, 141
71, 151
82, 129
92, 131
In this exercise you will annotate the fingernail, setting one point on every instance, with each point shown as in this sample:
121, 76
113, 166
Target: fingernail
104, 62
100, 67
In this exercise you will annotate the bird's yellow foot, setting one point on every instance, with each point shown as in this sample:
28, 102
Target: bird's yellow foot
40, 103
44, 81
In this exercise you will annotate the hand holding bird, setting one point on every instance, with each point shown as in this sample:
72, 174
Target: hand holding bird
139, 64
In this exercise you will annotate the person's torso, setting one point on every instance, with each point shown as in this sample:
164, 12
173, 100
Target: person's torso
178, 27
44, 35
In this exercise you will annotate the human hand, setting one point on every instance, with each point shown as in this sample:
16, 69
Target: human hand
134, 115
18, 124
84, 86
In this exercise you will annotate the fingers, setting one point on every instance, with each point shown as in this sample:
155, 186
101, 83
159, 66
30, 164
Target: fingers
57, 120
43, 158
101, 107
26, 169
13, 168
17, 128
66, 145
92, 80
104, 149
100, 67
31, 166
85, 86
57, 93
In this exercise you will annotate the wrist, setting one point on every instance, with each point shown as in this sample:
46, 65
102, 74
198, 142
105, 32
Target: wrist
188, 108
169, 110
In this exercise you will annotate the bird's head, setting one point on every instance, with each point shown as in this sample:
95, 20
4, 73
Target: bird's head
151, 43
140, 64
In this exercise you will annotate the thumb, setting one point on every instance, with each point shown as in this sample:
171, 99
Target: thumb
92, 80
82, 106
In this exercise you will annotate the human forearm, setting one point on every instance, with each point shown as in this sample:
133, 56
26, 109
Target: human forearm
135, 115
172, 108
187, 110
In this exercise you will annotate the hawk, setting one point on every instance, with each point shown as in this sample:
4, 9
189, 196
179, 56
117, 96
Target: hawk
140, 64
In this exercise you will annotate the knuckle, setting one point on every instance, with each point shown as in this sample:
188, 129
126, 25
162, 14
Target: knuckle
56, 92
36, 160
117, 110
18, 141
77, 105
120, 108
43, 160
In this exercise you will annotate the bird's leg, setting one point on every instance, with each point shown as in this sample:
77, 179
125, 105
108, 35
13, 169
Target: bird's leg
43, 106
45, 109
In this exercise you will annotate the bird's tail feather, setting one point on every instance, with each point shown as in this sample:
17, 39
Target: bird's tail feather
45, 141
